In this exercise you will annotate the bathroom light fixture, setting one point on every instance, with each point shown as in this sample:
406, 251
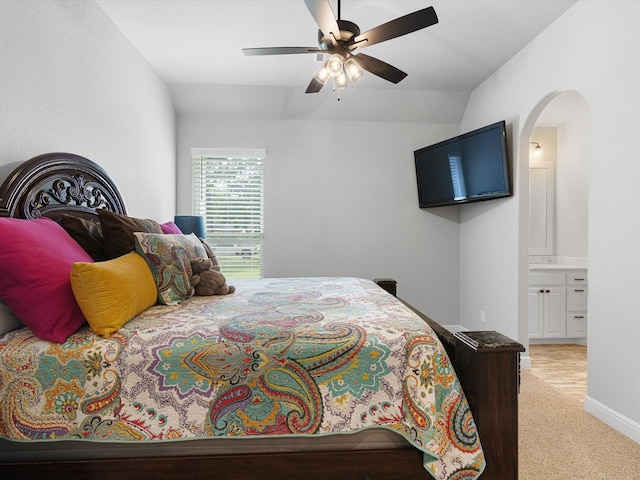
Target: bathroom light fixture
537, 149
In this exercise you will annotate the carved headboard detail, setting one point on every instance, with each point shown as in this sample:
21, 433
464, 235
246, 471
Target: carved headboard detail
53, 184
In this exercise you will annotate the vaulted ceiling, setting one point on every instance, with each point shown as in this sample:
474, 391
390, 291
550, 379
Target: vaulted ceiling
201, 41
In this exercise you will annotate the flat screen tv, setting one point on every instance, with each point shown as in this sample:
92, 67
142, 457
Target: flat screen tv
467, 168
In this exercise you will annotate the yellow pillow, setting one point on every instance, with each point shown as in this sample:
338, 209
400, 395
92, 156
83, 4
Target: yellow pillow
111, 293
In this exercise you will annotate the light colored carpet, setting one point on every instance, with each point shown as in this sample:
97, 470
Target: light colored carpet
558, 440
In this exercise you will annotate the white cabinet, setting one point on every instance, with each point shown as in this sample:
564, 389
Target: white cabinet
547, 305
547, 312
577, 293
557, 304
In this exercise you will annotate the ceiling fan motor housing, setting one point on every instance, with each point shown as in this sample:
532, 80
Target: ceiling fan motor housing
348, 30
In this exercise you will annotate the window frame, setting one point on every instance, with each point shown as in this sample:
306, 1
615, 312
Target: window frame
239, 256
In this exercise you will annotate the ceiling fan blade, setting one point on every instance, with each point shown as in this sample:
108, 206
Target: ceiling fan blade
380, 68
281, 50
315, 86
396, 28
325, 18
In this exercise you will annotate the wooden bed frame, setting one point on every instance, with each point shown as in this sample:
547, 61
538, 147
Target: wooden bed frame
487, 364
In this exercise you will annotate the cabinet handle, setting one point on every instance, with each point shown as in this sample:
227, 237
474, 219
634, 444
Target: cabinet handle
578, 316
577, 290
579, 279
541, 291
547, 291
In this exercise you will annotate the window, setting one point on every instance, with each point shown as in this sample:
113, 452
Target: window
228, 192
457, 177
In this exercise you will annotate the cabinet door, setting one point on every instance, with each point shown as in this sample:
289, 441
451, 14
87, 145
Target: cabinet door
541, 208
554, 317
536, 299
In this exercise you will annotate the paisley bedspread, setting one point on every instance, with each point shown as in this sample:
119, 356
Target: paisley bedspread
294, 356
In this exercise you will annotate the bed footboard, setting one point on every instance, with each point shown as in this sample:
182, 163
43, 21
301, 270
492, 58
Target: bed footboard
488, 367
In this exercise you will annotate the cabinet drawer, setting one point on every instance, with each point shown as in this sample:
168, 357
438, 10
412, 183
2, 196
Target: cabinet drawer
577, 278
547, 278
576, 325
576, 299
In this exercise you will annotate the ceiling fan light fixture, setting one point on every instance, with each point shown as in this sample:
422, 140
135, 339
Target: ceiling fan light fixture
341, 81
335, 65
322, 74
353, 69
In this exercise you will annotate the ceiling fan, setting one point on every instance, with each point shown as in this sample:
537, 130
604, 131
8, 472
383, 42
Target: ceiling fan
340, 38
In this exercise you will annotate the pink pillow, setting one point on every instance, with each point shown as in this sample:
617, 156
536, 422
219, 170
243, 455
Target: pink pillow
170, 228
36, 258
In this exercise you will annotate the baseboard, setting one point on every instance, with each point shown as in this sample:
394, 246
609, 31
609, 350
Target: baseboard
558, 341
615, 420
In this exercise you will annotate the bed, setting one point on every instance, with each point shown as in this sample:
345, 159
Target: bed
297, 377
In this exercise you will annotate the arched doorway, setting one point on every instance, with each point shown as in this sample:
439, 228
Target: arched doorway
554, 152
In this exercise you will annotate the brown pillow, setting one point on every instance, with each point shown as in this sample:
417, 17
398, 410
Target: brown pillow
87, 233
118, 232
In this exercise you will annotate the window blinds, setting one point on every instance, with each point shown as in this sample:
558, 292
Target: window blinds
228, 193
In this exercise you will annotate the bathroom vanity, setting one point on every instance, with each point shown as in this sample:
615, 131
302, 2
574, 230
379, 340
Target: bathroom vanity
558, 302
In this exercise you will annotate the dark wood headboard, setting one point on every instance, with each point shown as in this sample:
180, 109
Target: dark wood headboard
53, 184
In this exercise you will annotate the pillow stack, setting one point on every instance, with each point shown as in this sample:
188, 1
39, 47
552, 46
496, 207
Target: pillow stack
55, 276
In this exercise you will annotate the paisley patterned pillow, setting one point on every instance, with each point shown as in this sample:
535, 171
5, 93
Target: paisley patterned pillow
169, 258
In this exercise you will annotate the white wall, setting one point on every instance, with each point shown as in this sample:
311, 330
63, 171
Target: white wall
591, 49
71, 82
341, 199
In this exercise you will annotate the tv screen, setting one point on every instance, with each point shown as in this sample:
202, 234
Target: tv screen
468, 168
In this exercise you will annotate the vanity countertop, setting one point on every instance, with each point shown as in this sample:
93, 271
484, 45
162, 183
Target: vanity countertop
553, 266
552, 262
